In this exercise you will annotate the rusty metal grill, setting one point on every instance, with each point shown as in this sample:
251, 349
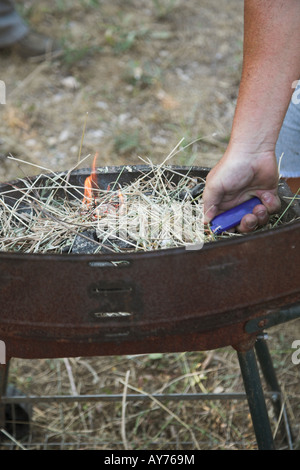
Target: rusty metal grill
176, 300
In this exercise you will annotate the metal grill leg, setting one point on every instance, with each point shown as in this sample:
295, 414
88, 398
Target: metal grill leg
3, 385
14, 417
267, 367
256, 400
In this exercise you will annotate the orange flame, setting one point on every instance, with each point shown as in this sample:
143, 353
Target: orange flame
121, 197
91, 185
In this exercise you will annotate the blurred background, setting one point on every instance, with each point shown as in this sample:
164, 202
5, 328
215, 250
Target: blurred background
147, 72
134, 78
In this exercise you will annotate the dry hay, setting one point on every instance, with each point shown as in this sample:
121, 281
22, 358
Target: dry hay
152, 212
143, 215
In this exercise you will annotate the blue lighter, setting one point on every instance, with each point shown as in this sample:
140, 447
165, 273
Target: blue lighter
232, 217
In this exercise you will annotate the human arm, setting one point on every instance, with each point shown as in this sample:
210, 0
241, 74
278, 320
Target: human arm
271, 64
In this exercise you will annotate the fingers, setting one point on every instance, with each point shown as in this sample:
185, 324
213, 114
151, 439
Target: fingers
248, 223
259, 217
261, 213
270, 200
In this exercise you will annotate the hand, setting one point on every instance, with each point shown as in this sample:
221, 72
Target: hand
241, 174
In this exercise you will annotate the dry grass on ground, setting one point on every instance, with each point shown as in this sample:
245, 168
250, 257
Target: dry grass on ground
151, 423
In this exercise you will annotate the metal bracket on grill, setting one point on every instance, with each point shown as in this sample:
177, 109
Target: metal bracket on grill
115, 300
267, 321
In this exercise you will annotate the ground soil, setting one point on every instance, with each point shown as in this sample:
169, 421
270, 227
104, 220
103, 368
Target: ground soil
147, 73
134, 79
